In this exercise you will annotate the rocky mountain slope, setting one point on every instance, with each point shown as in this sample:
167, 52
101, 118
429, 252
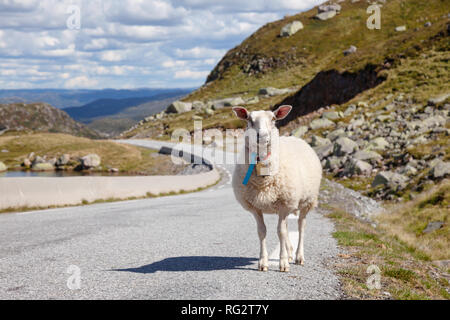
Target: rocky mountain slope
40, 117
326, 62
374, 104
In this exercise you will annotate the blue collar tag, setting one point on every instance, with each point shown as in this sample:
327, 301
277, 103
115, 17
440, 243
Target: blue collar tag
250, 168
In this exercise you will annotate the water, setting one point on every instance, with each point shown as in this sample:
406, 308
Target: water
20, 174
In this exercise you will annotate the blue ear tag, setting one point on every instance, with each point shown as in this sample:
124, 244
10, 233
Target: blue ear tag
250, 168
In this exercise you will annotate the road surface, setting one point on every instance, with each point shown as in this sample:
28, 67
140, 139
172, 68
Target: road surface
193, 246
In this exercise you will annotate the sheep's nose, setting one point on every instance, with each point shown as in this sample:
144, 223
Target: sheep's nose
262, 137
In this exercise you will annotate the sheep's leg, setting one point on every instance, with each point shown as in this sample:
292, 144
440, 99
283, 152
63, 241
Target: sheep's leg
289, 247
263, 263
299, 257
282, 235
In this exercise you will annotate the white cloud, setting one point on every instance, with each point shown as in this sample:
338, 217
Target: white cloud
188, 74
80, 82
126, 43
112, 56
199, 52
144, 12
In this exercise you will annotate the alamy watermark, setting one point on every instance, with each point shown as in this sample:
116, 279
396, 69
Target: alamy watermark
374, 280
226, 144
74, 280
374, 20
73, 22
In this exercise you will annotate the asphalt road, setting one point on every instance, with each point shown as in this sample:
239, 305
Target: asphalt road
194, 246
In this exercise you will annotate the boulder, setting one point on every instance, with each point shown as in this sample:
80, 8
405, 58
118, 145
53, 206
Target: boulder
2, 167
355, 123
300, 131
383, 118
227, 102
350, 109
334, 163
359, 167
362, 104
324, 151
317, 141
252, 100
344, 146
440, 169
321, 123
52, 161
336, 134
63, 160
208, 111
391, 179
420, 140
350, 50
366, 155
231, 102
438, 99
329, 7
43, 166
270, 91
378, 143
179, 107
408, 170
291, 28
433, 226
436, 121
325, 15
332, 115
198, 105
90, 161
26, 163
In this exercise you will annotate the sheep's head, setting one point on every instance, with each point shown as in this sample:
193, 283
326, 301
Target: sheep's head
261, 133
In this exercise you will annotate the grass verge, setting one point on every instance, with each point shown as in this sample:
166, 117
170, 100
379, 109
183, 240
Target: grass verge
406, 273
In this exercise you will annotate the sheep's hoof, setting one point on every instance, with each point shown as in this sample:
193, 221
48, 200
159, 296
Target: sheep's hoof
284, 265
262, 268
262, 265
300, 261
291, 259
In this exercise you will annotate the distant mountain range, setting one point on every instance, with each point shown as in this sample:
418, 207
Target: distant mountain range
63, 98
107, 111
107, 107
119, 122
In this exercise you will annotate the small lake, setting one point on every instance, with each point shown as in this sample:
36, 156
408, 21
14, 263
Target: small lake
20, 174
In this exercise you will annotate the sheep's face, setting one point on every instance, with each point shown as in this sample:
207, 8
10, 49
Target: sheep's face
261, 134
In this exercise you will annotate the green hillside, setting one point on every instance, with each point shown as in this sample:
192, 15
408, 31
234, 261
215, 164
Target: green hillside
40, 117
386, 61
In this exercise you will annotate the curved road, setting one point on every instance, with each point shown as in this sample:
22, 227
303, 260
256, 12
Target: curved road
193, 246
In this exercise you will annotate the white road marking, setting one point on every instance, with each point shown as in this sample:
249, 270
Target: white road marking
274, 257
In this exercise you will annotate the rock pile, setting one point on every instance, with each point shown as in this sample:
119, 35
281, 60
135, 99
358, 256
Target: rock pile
383, 143
64, 162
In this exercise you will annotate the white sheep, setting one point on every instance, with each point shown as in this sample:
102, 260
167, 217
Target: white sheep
292, 185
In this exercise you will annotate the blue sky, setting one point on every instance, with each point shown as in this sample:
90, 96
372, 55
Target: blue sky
127, 43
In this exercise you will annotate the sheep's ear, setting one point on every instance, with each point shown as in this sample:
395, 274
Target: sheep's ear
282, 112
241, 112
